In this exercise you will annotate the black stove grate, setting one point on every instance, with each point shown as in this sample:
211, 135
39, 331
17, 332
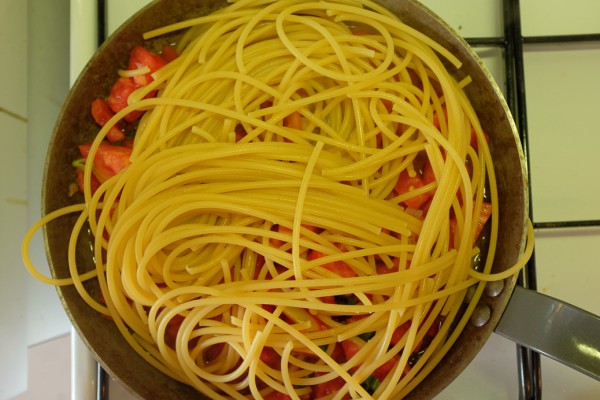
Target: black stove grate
512, 43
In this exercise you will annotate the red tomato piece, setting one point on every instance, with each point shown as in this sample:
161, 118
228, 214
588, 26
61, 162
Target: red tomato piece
275, 395
109, 160
281, 229
271, 358
350, 348
338, 267
172, 329
381, 372
326, 388
140, 58
294, 120
102, 113
94, 183
484, 216
117, 99
169, 53
406, 184
240, 132
212, 352
399, 332
114, 134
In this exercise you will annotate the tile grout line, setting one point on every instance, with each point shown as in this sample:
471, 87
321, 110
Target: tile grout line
13, 114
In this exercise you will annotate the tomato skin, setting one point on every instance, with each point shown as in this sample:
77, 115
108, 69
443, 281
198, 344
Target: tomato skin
140, 58
275, 395
323, 389
338, 267
169, 53
271, 358
484, 216
117, 99
102, 113
94, 183
350, 348
399, 332
381, 372
109, 160
406, 184
294, 120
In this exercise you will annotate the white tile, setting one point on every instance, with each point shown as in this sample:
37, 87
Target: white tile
48, 78
470, 18
13, 285
13, 39
49, 371
493, 60
491, 375
564, 131
559, 17
118, 11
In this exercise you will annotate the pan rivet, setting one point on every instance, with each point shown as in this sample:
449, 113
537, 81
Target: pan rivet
481, 315
494, 288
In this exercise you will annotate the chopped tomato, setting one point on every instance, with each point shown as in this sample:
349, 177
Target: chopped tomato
240, 132
360, 32
275, 395
271, 358
102, 113
172, 329
406, 184
109, 160
169, 53
212, 352
339, 267
94, 183
388, 105
326, 388
351, 347
318, 324
399, 332
117, 99
381, 372
383, 269
294, 120
484, 215
281, 229
140, 58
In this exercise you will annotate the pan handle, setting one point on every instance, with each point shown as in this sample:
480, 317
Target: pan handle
554, 328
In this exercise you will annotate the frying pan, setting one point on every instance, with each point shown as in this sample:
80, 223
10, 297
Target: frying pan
75, 126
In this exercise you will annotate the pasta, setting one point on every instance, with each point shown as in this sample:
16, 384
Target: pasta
300, 209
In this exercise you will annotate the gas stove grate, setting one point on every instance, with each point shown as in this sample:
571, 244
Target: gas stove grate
512, 43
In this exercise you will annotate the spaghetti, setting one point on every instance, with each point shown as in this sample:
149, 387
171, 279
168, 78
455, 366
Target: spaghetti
300, 208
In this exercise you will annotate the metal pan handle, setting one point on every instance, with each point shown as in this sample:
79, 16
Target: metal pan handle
553, 328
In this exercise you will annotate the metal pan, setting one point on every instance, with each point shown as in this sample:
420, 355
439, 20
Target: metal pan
75, 126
